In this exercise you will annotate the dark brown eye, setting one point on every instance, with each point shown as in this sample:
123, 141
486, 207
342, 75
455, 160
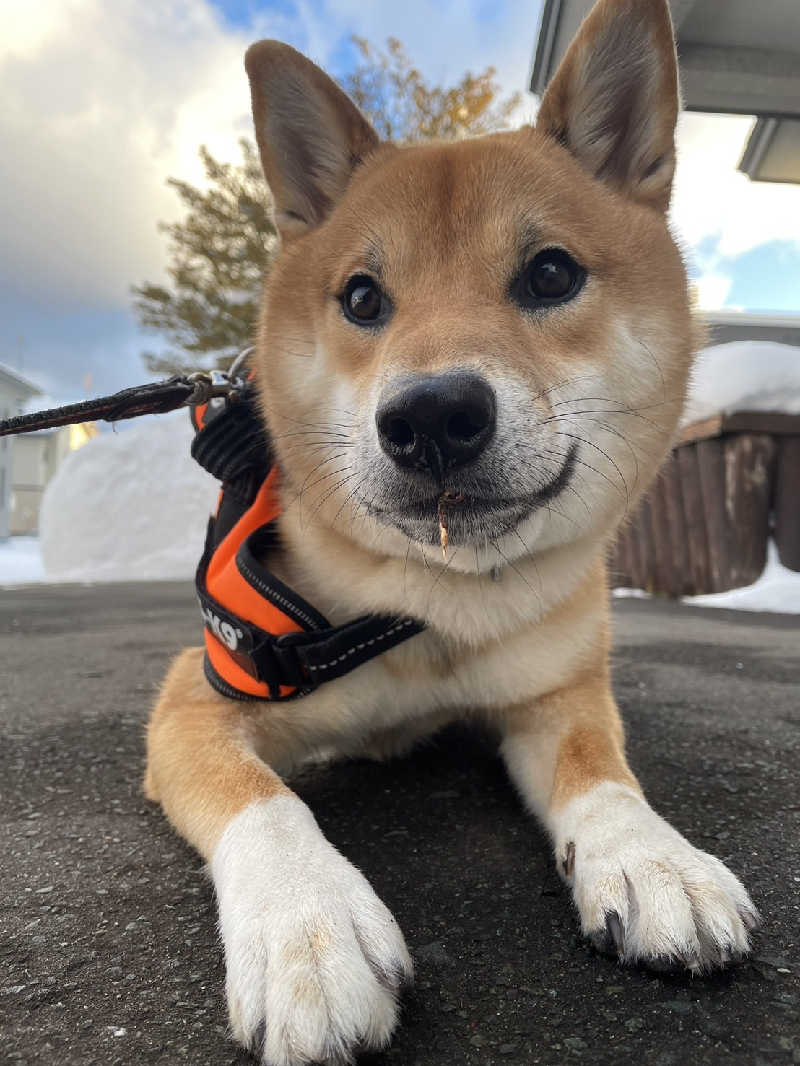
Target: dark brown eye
551, 277
362, 301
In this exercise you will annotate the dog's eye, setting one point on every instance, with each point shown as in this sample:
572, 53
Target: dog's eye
362, 301
551, 277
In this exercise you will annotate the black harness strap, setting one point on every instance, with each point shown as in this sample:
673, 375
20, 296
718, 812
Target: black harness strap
301, 661
232, 440
340, 649
232, 445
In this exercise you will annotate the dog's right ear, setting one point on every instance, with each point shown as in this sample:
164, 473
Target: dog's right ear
311, 136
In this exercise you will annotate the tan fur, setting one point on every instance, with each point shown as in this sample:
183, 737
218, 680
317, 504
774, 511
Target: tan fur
517, 629
447, 225
201, 764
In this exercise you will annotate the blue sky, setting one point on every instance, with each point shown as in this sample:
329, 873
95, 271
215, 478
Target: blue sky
102, 102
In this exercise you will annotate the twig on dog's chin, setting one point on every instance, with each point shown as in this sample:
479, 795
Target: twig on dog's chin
447, 499
443, 538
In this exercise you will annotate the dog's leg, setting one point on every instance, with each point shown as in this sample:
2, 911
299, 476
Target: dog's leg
642, 890
314, 960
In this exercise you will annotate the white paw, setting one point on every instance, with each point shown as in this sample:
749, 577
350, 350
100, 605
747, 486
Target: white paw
642, 890
315, 961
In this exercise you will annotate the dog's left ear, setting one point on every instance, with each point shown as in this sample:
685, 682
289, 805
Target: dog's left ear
613, 101
311, 136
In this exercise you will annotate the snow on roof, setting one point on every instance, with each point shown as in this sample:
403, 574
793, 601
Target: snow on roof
13, 377
744, 376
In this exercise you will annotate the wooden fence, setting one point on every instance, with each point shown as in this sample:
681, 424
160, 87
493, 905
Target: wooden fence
730, 483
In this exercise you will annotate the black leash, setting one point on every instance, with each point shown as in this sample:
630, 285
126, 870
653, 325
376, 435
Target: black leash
232, 445
154, 399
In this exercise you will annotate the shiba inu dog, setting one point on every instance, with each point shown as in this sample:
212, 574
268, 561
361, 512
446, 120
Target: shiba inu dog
476, 350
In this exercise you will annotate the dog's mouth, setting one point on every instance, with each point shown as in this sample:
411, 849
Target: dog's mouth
468, 517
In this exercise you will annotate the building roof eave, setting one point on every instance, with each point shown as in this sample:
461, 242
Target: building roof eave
13, 377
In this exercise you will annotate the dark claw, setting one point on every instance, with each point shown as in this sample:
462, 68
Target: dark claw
257, 1040
394, 978
750, 919
611, 939
615, 930
664, 964
734, 957
568, 862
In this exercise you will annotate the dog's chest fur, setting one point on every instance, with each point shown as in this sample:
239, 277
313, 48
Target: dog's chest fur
486, 648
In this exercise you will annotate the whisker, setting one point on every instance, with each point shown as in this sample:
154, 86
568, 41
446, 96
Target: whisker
657, 365
348, 497
324, 462
597, 448
299, 496
532, 558
515, 568
581, 462
329, 492
442, 571
325, 477
481, 588
566, 381
614, 432
405, 569
633, 412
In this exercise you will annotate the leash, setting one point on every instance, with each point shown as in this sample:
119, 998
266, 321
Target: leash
263, 640
182, 390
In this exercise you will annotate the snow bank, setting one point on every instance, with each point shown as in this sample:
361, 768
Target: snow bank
778, 590
744, 376
130, 505
20, 561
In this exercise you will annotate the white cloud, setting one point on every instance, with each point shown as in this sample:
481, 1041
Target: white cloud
712, 291
101, 102
712, 198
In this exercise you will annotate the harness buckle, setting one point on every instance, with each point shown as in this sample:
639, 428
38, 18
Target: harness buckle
278, 663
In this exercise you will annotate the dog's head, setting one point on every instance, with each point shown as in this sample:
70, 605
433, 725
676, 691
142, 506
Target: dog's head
495, 331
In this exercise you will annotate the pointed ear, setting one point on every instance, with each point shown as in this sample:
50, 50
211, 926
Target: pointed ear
310, 135
614, 99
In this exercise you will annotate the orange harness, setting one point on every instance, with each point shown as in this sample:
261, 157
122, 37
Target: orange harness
263, 640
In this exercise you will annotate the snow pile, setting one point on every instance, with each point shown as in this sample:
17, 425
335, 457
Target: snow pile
778, 589
20, 561
744, 376
130, 505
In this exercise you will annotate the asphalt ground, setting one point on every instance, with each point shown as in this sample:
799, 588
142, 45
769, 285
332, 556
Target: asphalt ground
108, 947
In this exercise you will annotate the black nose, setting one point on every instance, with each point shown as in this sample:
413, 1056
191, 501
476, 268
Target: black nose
438, 422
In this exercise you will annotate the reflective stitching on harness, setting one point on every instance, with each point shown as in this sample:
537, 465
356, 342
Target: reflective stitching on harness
291, 608
366, 644
234, 446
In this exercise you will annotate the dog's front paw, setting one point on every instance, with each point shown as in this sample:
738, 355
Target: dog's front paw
643, 892
315, 961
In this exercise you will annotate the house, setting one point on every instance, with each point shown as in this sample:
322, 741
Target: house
15, 391
739, 57
36, 458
